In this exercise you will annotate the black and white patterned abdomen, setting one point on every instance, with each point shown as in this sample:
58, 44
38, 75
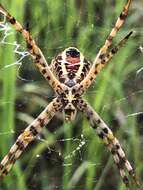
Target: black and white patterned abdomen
68, 72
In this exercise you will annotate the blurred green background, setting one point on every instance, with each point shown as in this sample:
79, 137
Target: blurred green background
70, 156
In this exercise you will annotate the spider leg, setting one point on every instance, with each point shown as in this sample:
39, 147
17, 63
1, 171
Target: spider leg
101, 58
28, 136
112, 143
120, 21
35, 52
108, 56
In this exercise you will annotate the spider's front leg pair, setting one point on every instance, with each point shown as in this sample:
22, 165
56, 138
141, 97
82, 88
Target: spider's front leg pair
104, 55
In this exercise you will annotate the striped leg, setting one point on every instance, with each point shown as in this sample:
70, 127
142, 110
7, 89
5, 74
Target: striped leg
110, 141
108, 56
28, 136
100, 60
35, 52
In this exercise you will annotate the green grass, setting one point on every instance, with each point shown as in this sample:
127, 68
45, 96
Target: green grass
7, 102
115, 95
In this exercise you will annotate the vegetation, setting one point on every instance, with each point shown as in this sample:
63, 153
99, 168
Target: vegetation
53, 161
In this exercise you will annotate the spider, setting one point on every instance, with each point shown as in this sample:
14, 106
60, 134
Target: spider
70, 75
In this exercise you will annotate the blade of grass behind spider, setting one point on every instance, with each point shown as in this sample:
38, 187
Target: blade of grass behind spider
7, 115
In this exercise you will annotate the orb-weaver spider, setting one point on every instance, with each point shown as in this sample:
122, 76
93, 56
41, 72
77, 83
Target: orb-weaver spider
70, 75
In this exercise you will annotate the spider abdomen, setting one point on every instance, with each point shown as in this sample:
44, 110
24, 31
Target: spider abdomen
70, 67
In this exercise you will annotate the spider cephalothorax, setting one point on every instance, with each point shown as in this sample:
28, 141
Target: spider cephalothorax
70, 75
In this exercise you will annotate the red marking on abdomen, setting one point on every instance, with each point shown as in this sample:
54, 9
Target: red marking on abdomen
73, 60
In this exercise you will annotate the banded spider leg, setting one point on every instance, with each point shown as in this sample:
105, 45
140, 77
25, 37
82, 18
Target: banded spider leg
112, 143
37, 55
29, 135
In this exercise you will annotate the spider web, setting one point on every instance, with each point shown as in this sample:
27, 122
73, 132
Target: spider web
79, 142
5, 32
